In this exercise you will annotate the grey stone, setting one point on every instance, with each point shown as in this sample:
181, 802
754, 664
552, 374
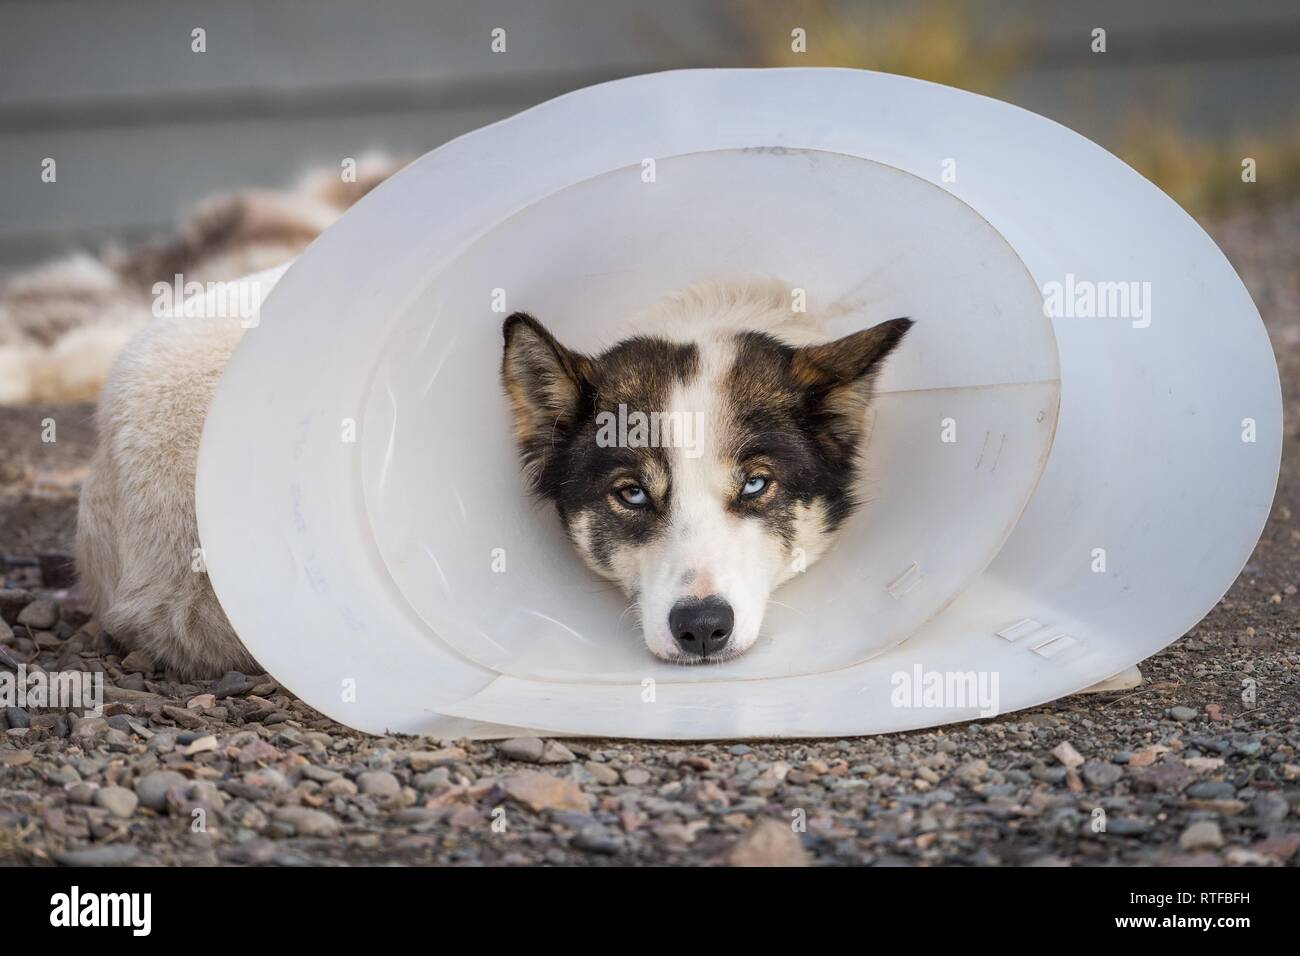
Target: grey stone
305, 821
233, 684
319, 774
40, 615
1101, 775
556, 752
1202, 835
601, 773
118, 801
435, 779
597, 839
12, 601
379, 783
113, 854
1270, 808
152, 788
525, 749
1126, 826
1211, 790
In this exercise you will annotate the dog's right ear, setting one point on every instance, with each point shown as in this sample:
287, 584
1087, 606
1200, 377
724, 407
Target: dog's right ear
545, 380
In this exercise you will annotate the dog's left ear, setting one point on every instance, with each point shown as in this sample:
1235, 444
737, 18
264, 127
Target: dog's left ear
841, 374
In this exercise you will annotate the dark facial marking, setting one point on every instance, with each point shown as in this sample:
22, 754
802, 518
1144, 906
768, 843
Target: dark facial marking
556, 395
798, 417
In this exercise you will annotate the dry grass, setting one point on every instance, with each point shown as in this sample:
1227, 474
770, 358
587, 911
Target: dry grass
933, 40
1205, 175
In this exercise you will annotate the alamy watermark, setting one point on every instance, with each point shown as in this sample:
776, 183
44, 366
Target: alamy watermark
945, 690
60, 690
239, 299
1084, 299
637, 429
75, 908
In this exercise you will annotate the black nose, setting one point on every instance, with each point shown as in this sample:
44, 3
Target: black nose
701, 627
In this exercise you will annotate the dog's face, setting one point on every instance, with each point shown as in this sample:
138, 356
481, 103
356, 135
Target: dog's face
698, 473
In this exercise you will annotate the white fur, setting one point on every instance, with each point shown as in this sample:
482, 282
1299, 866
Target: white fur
719, 553
137, 537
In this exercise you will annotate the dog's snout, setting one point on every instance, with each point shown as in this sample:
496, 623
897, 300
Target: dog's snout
701, 626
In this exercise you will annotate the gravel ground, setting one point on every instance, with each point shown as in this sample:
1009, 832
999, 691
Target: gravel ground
1187, 769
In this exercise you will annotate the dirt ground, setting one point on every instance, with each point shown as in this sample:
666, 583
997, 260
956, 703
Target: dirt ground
1185, 769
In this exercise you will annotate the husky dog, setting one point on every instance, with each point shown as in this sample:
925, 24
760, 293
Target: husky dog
761, 420
699, 526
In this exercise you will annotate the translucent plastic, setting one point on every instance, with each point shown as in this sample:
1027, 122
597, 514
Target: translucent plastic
403, 581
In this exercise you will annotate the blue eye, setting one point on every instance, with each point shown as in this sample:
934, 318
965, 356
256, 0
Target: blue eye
754, 487
634, 496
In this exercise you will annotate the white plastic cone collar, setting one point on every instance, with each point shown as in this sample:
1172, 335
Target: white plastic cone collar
1109, 476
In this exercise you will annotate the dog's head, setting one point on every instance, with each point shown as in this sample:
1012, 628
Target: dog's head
699, 470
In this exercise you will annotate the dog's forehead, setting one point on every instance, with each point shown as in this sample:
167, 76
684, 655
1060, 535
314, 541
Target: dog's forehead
642, 371
761, 373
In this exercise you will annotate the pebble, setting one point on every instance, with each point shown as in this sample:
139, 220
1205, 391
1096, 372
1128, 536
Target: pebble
137, 661
342, 787
539, 791
40, 615
319, 774
1202, 835
12, 601
601, 773
1212, 790
152, 787
1067, 755
1182, 714
526, 749
1101, 775
201, 745
1163, 777
435, 779
768, 843
118, 801
422, 760
90, 728
1246, 746
1270, 808
306, 821
379, 783
597, 839
82, 793
233, 684
556, 752
636, 777
112, 854
1127, 826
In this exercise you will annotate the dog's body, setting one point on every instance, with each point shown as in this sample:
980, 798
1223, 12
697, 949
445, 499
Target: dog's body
699, 525
137, 536
772, 400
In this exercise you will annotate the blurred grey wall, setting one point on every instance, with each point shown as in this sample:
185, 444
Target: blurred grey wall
140, 125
